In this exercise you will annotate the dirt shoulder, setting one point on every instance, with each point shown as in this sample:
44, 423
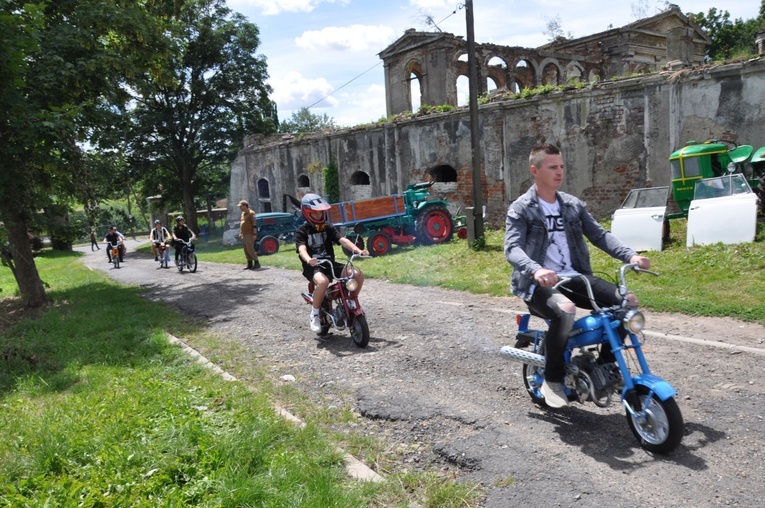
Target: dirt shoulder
432, 385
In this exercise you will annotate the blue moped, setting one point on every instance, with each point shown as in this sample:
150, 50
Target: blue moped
593, 374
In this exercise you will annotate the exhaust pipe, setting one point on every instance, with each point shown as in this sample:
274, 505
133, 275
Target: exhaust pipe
520, 355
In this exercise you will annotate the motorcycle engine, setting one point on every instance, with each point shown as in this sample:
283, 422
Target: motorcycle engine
339, 314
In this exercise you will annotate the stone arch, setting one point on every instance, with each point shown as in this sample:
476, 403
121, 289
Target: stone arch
525, 73
360, 178
495, 72
463, 90
264, 195
443, 174
551, 72
594, 76
361, 185
414, 76
574, 73
303, 181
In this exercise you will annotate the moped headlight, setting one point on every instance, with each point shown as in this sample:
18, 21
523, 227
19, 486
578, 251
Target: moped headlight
352, 285
634, 321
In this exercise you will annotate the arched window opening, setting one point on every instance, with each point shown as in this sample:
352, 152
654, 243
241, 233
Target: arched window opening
264, 195
497, 62
413, 73
491, 85
263, 189
550, 75
360, 178
463, 91
524, 75
463, 57
303, 181
443, 173
415, 92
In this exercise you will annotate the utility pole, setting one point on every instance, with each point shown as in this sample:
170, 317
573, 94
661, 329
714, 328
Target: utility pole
474, 132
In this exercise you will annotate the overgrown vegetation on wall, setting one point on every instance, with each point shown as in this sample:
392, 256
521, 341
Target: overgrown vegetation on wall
332, 181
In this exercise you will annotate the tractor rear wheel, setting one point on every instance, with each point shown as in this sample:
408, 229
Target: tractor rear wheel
434, 225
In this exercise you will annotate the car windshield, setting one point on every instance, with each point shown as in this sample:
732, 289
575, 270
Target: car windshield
721, 186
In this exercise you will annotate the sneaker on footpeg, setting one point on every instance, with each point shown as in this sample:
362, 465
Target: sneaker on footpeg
554, 395
315, 323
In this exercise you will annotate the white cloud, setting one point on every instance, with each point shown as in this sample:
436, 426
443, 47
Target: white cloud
431, 4
274, 7
365, 107
293, 91
354, 38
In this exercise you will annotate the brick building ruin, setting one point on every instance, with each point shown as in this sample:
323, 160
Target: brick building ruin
435, 61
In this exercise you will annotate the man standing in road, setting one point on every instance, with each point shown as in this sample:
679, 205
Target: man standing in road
544, 239
248, 232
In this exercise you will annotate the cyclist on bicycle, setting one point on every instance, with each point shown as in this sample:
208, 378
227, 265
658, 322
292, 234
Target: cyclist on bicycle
159, 237
181, 232
313, 241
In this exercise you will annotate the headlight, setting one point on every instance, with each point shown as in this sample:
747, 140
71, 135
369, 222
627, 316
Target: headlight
352, 285
634, 321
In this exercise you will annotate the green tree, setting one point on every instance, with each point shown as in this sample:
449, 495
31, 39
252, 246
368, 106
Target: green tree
65, 67
729, 38
305, 121
193, 116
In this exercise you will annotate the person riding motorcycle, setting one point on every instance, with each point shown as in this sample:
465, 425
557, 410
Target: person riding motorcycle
313, 242
159, 237
114, 237
181, 232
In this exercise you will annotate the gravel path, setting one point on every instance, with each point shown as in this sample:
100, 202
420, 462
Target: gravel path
432, 384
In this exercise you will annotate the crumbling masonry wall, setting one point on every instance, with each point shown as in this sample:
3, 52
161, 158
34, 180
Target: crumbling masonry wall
615, 136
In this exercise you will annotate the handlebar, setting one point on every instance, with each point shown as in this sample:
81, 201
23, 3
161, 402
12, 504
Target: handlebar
328, 262
622, 283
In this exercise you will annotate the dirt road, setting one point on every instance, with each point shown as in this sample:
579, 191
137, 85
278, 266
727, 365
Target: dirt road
433, 385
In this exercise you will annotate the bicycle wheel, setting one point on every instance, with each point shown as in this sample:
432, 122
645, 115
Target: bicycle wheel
191, 262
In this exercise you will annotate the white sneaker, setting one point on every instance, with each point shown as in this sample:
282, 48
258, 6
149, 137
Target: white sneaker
315, 323
554, 395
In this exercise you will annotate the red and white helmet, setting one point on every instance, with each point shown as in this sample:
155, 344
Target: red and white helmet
314, 209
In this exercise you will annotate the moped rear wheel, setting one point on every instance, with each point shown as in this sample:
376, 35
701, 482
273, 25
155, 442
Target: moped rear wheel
360, 331
662, 429
533, 377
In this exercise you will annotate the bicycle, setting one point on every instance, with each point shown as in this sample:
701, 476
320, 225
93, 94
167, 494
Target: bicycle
188, 259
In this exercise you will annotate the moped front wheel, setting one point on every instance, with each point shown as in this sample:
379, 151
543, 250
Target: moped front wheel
661, 429
360, 331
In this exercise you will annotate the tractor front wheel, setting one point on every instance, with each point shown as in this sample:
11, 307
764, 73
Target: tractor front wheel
434, 225
268, 245
379, 244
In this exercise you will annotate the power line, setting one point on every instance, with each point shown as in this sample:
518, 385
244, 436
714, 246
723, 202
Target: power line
344, 85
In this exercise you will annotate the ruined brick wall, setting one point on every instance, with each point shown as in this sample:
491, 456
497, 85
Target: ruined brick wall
615, 137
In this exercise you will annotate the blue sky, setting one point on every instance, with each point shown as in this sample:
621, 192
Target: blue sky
314, 48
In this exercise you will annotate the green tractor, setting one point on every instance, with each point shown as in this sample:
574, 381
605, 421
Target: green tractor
402, 219
711, 159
